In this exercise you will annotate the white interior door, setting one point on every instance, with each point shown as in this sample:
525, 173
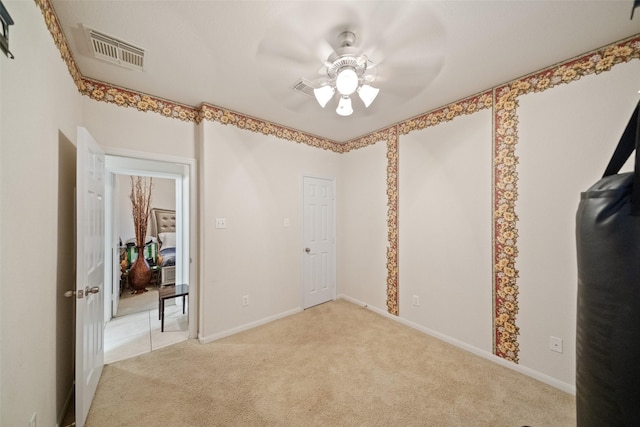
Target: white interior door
90, 271
319, 269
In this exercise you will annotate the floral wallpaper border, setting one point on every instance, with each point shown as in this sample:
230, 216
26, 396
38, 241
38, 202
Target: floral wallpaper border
105, 92
391, 136
503, 99
51, 20
126, 98
505, 175
227, 117
392, 221
466, 106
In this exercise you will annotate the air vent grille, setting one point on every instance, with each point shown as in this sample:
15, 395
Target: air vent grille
115, 51
303, 86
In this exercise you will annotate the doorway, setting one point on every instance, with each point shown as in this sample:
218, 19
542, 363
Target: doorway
137, 333
182, 173
163, 196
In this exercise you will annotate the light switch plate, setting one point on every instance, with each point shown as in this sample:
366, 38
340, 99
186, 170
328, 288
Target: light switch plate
221, 223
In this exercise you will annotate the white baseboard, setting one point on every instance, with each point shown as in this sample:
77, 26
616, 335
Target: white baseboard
245, 327
561, 385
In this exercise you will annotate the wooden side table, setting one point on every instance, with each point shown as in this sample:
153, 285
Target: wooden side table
168, 292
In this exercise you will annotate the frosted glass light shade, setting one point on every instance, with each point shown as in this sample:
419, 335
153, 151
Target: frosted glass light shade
323, 94
347, 81
368, 94
344, 106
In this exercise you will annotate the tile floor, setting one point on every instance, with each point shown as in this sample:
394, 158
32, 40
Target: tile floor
139, 333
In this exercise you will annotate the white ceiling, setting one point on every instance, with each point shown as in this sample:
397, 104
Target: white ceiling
246, 55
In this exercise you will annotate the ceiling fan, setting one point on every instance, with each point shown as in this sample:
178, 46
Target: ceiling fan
338, 52
348, 71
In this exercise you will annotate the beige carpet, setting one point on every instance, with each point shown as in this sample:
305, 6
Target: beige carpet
336, 364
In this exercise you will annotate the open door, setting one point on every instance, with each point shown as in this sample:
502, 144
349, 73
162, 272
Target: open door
90, 256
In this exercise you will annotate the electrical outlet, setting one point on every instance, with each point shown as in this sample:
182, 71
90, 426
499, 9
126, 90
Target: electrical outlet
245, 300
221, 223
33, 420
416, 300
555, 344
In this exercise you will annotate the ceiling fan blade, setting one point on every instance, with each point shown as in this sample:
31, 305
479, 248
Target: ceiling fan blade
281, 56
397, 66
292, 48
324, 49
291, 33
403, 58
402, 91
391, 36
291, 99
407, 81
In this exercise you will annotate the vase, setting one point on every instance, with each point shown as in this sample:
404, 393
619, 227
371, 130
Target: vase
139, 273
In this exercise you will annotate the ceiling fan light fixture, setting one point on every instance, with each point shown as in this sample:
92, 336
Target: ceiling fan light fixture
347, 72
323, 94
367, 94
344, 106
347, 81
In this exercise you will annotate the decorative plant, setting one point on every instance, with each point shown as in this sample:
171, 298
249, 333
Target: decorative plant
140, 206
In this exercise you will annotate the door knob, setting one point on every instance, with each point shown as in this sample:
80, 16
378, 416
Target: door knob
80, 294
307, 250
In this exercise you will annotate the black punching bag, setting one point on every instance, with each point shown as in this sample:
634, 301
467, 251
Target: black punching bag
608, 312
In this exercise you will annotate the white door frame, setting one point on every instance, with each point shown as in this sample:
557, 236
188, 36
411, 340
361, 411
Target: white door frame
183, 170
303, 243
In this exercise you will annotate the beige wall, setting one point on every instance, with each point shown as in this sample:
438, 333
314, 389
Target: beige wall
362, 225
118, 128
567, 136
445, 229
40, 109
254, 182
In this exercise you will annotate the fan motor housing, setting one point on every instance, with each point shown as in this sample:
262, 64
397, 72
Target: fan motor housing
357, 63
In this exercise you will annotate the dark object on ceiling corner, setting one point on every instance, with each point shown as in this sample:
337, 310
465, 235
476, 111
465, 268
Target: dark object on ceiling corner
6, 20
